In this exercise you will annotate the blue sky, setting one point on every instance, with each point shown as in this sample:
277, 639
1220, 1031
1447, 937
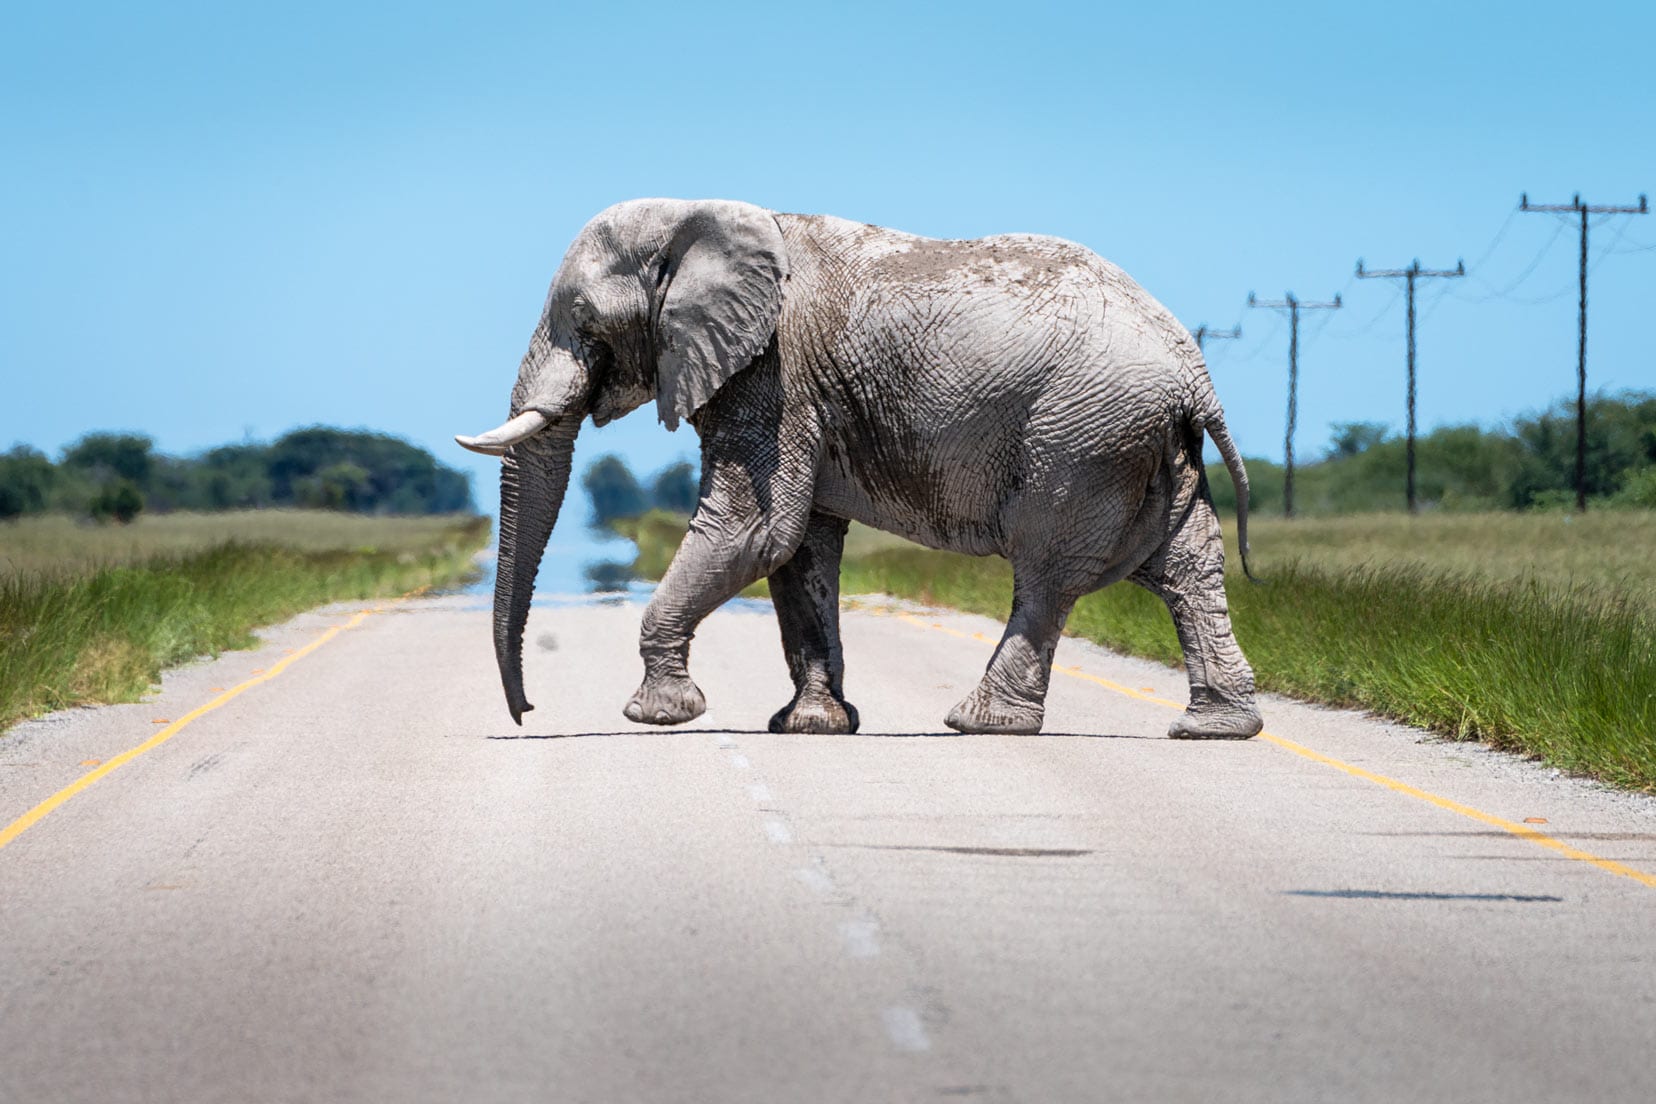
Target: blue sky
223, 220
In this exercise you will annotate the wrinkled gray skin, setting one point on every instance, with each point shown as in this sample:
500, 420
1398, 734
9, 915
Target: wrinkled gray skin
1014, 395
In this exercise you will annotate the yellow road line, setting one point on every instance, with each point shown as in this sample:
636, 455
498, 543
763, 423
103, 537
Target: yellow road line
45, 808
1521, 831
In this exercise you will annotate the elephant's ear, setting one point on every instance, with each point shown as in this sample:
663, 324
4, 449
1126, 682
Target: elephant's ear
719, 295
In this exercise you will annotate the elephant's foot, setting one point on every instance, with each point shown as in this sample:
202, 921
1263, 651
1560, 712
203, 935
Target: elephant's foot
666, 700
985, 712
818, 712
1217, 721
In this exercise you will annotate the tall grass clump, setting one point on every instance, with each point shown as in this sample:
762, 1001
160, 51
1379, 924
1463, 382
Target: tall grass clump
105, 634
1568, 675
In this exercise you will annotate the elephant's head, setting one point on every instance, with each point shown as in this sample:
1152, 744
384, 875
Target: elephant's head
657, 298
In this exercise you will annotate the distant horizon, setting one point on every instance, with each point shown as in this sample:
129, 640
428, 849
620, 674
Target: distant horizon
1304, 453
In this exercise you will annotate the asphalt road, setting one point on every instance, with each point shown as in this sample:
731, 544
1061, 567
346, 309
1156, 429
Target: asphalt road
357, 881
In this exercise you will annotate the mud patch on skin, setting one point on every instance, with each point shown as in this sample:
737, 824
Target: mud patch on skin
1031, 262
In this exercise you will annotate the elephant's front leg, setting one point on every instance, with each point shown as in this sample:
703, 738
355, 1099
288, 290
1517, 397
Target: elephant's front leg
806, 593
758, 473
712, 566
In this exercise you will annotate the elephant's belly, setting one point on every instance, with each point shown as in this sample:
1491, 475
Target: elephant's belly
958, 509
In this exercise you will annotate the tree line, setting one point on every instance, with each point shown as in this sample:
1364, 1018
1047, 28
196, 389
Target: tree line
114, 476
1529, 464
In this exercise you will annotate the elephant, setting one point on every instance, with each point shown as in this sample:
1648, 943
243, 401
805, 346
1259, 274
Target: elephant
1014, 395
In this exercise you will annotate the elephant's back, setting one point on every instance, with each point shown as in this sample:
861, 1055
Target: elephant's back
1032, 325
957, 375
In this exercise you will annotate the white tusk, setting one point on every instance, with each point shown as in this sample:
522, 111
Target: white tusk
497, 441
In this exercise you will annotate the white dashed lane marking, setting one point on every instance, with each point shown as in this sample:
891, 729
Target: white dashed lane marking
816, 880
861, 937
905, 1030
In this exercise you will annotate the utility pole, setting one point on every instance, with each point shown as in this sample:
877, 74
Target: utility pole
1577, 207
1293, 306
1409, 276
1204, 332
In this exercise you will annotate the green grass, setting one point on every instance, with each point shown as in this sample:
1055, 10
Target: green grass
57, 546
1608, 552
98, 620
1531, 632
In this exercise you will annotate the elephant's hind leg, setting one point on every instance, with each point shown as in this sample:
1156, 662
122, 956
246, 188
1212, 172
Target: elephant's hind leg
806, 593
1188, 573
1012, 695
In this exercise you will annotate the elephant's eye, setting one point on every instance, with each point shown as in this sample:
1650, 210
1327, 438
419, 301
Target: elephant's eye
599, 357
584, 316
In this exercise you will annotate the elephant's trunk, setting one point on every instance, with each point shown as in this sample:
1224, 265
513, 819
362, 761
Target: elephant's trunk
533, 477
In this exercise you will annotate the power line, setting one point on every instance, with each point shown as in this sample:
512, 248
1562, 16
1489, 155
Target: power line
1529, 269
1582, 210
1530, 300
1293, 306
1489, 251
1364, 328
1409, 276
1253, 345
1203, 332
1315, 329
1437, 300
1612, 249
1505, 294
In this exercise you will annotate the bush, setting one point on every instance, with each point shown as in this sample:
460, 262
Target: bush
26, 479
675, 489
617, 495
614, 490
106, 457
120, 502
1638, 489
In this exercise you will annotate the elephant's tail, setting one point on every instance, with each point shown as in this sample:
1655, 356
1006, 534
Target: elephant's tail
1209, 417
1239, 479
